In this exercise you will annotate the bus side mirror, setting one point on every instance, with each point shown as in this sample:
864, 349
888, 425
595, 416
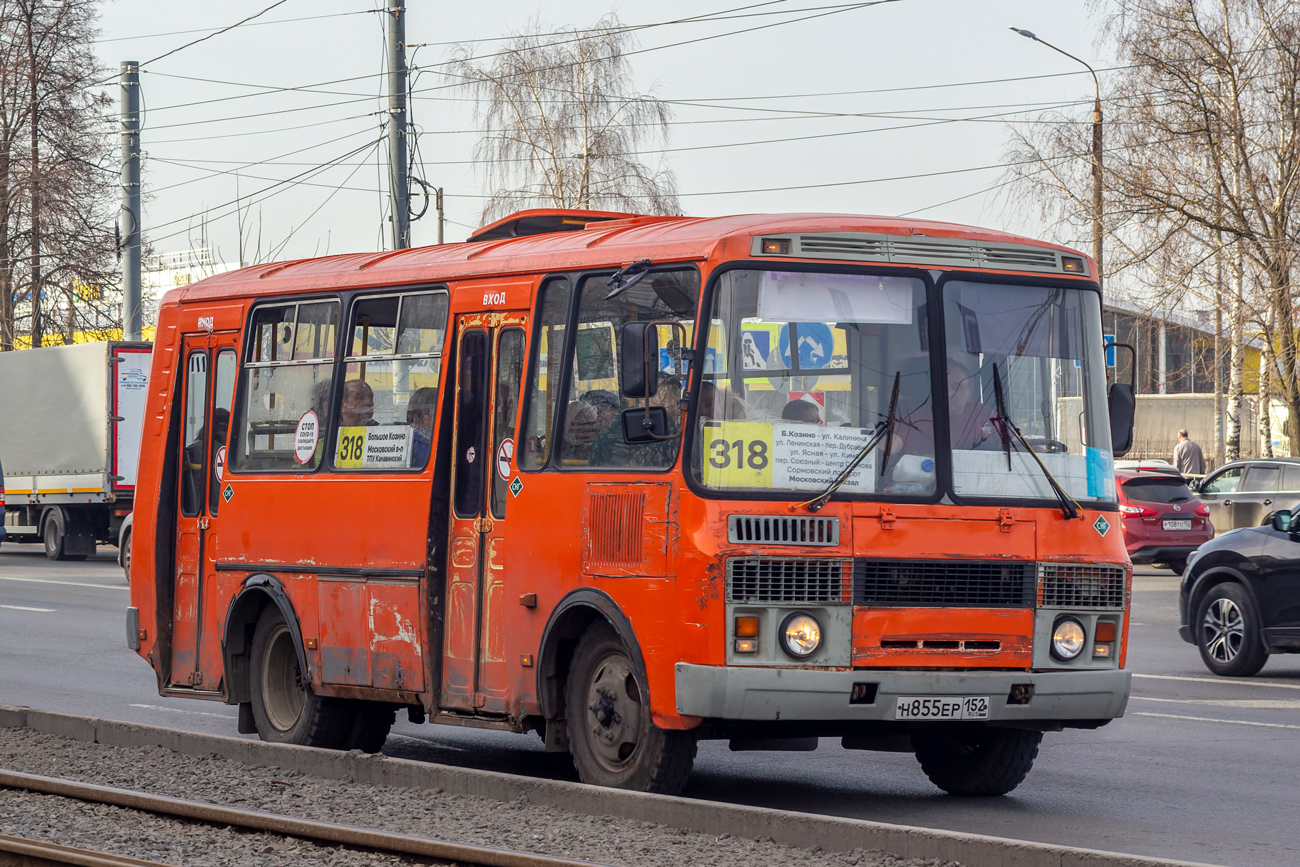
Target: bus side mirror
1123, 406
639, 360
645, 424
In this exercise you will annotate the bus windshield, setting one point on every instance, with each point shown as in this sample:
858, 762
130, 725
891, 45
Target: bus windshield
801, 367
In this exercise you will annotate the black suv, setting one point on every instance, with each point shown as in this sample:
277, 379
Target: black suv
1240, 596
1245, 493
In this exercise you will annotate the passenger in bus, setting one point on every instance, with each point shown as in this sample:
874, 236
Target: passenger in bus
420, 412
358, 405
192, 492
718, 405
585, 418
802, 410
609, 449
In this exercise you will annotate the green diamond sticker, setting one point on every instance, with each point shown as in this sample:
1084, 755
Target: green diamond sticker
516, 486
227, 493
1101, 525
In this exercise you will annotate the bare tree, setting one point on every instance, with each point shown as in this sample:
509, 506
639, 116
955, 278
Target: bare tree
1202, 167
57, 175
562, 128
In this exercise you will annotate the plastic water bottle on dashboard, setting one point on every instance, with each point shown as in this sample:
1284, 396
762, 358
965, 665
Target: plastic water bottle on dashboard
914, 468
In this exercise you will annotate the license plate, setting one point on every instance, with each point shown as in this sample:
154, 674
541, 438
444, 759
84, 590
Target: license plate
1185, 524
950, 707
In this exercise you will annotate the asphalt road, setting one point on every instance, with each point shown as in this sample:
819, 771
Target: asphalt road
1201, 768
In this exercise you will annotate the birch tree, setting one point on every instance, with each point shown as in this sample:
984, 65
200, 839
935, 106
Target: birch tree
563, 128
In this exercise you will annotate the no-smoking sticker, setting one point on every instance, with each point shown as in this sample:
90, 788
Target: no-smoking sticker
219, 465
504, 454
470, 454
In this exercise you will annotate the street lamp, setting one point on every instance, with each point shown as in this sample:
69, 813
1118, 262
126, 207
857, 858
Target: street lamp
1096, 150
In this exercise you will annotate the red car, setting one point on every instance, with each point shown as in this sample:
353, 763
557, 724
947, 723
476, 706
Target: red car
1163, 521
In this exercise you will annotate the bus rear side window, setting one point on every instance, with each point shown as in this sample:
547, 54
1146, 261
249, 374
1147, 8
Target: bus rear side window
287, 387
389, 398
543, 383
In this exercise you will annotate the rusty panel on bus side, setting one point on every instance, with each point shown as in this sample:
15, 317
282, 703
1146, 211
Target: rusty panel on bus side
627, 528
369, 634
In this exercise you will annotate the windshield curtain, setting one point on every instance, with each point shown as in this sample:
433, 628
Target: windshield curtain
798, 371
1044, 345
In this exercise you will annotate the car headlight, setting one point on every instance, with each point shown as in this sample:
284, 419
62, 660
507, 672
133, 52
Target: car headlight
1068, 639
801, 635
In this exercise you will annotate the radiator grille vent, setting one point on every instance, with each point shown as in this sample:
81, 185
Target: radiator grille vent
943, 583
615, 530
772, 581
782, 530
1069, 585
831, 245
1012, 257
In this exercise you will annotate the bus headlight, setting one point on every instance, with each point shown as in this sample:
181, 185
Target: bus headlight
1068, 638
801, 635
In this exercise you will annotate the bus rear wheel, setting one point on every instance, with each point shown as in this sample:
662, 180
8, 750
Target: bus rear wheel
978, 760
285, 709
611, 736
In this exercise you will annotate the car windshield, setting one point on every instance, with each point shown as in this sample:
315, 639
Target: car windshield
800, 369
1159, 491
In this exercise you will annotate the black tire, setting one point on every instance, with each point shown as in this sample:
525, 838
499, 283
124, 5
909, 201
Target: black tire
285, 709
611, 736
126, 557
52, 536
977, 761
1227, 632
1178, 566
371, 722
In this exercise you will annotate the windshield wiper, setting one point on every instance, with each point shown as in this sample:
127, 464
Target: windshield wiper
1069, 507
883, 429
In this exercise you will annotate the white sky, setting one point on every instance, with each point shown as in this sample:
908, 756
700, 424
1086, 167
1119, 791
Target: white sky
194, 150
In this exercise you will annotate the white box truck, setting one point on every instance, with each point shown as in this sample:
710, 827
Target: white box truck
70, 424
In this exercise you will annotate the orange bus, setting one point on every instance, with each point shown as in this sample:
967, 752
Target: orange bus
630, 482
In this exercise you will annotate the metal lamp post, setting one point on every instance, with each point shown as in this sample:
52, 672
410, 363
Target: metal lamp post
1096, 150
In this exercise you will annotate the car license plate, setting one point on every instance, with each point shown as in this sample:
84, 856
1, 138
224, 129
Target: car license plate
948, 707
1185, 524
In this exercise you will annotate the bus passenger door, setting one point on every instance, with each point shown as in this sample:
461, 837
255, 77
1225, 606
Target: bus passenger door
207, 396
489, 372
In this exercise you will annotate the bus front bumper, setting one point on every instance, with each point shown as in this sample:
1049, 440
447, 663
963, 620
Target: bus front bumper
755, 693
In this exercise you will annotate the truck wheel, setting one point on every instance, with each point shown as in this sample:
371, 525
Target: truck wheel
52, 535
126, 557
977, 761
371, 722
613, 740
1227, 632
285, 709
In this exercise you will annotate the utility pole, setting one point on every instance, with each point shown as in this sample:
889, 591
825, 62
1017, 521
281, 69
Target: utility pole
398, 183
438, 203
129, 216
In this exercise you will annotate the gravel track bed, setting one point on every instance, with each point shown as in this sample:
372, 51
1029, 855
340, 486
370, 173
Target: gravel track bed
516, 825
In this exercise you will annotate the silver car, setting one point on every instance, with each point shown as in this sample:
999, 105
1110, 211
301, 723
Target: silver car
1245, 493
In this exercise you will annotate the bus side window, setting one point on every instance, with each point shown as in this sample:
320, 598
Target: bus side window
592, 426
543, 382
389, 397
289, 373
505, 409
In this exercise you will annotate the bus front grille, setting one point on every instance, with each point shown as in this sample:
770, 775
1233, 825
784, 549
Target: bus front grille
788, 581
943, 584
1081, 585
782, 530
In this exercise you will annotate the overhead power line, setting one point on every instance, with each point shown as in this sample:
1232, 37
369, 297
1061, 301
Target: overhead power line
214, 30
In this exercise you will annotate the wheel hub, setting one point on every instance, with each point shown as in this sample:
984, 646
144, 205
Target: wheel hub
614, 705
1223, 630
282, 689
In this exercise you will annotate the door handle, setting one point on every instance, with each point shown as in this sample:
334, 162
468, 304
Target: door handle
203, 522
1268, 502
1227, 502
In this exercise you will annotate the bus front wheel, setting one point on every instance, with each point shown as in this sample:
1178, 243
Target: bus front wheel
285, 708
611, 736
977, 761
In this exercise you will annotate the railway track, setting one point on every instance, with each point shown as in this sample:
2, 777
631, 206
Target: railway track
322, 833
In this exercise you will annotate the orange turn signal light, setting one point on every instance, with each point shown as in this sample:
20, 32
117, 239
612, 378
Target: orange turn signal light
746, 627
1104, 631
776, 246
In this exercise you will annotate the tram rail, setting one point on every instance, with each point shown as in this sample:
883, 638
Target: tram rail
321, 833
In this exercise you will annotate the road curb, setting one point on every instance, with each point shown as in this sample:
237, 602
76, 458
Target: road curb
705, 817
